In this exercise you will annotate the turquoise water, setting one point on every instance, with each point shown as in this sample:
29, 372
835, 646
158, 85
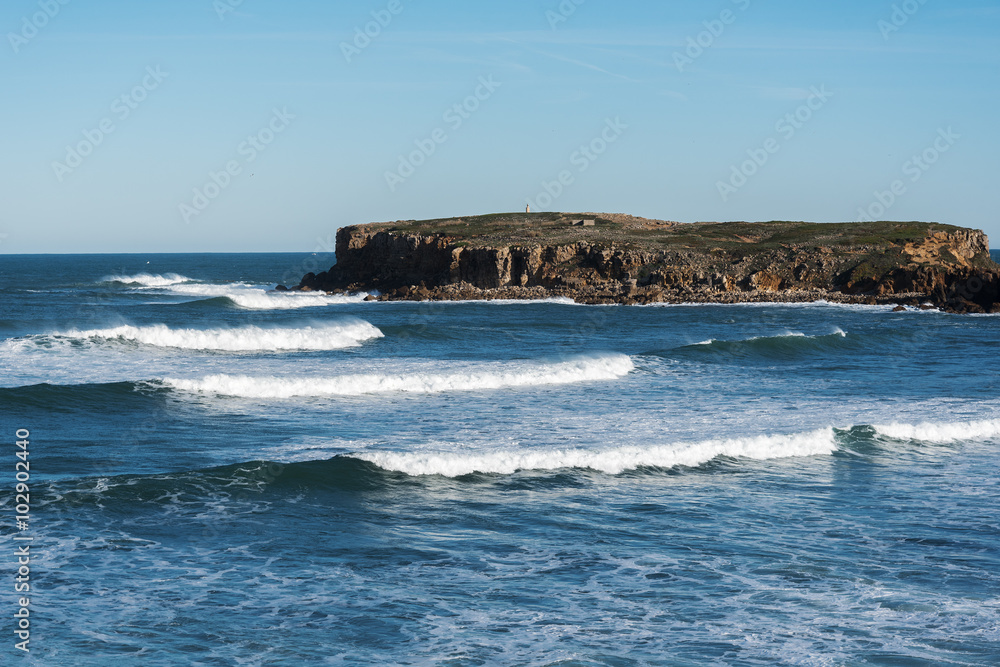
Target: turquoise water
226, 475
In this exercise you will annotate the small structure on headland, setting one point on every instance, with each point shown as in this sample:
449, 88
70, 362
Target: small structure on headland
583, 223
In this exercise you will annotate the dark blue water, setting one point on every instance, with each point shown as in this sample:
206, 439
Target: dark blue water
224, 475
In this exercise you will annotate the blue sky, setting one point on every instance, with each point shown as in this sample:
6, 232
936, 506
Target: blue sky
610, 98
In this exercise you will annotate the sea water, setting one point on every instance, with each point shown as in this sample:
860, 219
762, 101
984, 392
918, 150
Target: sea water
222, 474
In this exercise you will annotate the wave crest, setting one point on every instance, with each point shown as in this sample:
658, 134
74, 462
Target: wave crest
791, 336
256, 298
612, 461
769, 347
243, 339
148, 279
586, 369
943, 433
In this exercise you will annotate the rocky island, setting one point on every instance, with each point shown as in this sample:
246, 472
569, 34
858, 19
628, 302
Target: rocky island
599, 258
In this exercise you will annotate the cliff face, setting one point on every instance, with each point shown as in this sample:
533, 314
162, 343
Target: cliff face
665, 262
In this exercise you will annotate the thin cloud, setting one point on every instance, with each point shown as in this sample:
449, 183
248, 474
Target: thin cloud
573, 61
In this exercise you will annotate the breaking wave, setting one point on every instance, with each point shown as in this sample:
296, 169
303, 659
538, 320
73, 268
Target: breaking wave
240, 294
481, 377
148, 280
257, 298
613, 461
244, 339
942, 433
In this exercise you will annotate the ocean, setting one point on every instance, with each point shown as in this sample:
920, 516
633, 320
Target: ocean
221, 474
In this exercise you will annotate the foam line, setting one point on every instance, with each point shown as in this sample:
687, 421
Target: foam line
612, 461
257, 298
942, 433
148, 280
243, 339
481, 377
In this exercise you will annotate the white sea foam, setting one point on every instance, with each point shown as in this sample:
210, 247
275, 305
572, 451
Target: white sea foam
942, 433
257, 298
860, 307
148, 280
558, 300
612, 461
473, 378
244, 339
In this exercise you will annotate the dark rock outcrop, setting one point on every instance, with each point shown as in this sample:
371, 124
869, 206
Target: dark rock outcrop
623, 261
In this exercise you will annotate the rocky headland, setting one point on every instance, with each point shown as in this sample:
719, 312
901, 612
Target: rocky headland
612, 258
